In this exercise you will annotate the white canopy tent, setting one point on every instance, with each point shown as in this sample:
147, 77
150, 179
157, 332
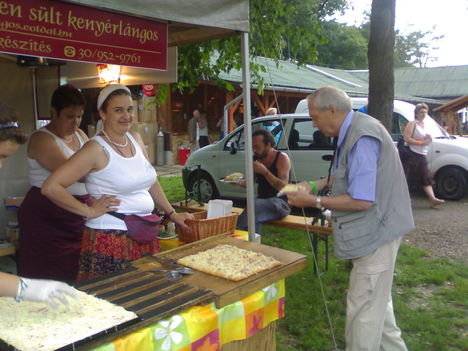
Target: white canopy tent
195, 21
189, 21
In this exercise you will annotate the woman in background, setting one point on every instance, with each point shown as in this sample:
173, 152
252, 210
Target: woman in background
120, 178
50, 237
415, 165
203, 139
11, 137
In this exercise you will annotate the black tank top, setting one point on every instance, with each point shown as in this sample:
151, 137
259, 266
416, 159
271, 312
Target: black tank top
265, 190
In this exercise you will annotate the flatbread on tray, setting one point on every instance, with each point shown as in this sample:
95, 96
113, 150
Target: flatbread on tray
229, 262
39, 327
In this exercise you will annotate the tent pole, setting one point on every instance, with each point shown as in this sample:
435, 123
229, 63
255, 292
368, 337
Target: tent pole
248, 135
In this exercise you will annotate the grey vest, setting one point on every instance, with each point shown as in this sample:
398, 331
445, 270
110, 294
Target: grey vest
358, 233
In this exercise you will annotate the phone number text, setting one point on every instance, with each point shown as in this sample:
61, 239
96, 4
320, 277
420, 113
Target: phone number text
108, 56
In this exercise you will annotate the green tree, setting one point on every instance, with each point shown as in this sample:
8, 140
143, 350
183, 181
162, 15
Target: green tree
414, 49
345, 47
279, 29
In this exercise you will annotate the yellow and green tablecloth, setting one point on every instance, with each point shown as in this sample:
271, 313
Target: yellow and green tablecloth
207, 328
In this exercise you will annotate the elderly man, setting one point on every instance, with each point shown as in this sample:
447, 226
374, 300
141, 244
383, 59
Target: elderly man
271, 169
371, 211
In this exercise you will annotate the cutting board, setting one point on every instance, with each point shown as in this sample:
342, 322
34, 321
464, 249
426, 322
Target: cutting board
227, 291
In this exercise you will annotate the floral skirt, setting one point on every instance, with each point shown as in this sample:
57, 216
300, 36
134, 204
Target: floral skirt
107, 250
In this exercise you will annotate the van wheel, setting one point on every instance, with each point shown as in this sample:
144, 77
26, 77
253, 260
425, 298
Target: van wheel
451, 184
202, 189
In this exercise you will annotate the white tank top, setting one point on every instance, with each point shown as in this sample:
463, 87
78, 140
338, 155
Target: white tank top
38, 174
203, 131
419, 134
128, 178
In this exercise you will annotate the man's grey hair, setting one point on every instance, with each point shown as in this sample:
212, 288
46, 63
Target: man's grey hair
328, 96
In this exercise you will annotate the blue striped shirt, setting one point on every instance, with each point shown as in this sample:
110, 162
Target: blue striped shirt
362, 163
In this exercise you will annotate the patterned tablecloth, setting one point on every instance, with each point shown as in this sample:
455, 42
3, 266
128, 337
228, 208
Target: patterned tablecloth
206, 328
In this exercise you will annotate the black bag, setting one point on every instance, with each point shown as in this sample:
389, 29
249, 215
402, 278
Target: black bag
403, 149
143, 229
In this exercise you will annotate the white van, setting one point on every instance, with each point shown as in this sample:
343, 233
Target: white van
447, 156
310, 153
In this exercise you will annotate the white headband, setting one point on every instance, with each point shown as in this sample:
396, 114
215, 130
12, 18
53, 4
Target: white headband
107, 91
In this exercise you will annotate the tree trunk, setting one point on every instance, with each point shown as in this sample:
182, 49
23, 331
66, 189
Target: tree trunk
380, 55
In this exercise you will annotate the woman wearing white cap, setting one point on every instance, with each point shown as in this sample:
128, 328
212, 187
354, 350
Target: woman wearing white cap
117, 173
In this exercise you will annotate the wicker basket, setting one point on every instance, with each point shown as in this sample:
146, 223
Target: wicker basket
203, 228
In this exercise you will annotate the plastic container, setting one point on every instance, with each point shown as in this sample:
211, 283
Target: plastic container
160, 148
183, 156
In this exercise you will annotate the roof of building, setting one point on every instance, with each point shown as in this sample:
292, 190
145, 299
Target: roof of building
431, 82
287, 75
454, 105
430, 85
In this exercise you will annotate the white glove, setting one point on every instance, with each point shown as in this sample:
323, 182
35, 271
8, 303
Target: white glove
41, 290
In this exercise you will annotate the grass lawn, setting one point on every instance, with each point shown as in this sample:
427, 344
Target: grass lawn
429, 296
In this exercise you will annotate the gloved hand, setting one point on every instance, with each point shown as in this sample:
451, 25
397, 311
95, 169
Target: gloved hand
41, 290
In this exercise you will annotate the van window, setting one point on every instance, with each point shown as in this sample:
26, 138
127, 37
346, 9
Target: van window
304, 136
274, 126
398, 125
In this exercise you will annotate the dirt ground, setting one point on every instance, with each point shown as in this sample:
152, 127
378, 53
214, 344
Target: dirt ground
442, 231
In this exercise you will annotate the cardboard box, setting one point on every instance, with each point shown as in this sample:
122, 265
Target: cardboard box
147, 103
13, 203
147, 116
135, 111
147, 109
148, 131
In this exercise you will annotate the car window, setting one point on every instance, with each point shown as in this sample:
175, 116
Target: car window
433, 128
398, 125
236, 141
304, 136
274, 126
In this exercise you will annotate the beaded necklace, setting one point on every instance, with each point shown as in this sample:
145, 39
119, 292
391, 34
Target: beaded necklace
113, 142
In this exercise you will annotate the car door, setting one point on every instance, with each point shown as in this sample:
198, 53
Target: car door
232, 156
309, 149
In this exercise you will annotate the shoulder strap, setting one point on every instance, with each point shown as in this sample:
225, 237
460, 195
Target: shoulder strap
278, 153
134, 142
80, 138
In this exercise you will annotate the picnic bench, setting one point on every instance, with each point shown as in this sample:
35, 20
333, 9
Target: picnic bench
317, 228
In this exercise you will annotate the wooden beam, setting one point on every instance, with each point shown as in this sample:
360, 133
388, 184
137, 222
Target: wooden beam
259, 103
